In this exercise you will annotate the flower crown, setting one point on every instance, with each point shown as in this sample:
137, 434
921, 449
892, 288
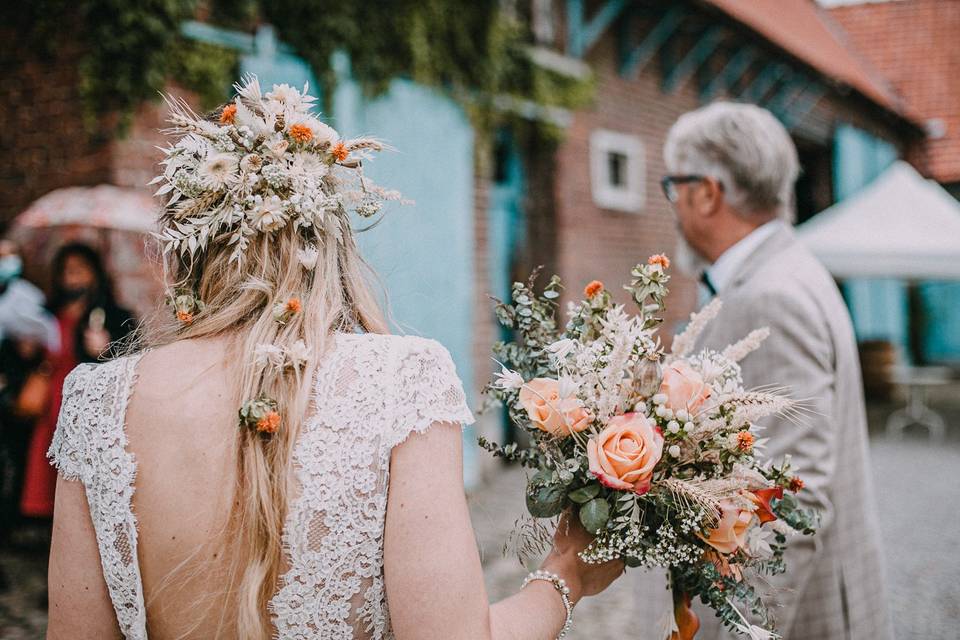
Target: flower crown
267, 163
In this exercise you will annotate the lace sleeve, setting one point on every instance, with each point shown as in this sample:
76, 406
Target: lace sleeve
68, 450
427, 390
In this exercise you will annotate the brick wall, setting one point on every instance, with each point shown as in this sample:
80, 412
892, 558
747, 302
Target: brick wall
595, 243
915, 44
45, 142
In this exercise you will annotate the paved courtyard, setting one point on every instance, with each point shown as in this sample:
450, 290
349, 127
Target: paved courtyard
918, 489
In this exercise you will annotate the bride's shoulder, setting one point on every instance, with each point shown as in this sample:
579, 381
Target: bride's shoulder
93, 402
420, 385
394, 349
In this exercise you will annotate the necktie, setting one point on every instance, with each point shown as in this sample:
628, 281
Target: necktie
705, 281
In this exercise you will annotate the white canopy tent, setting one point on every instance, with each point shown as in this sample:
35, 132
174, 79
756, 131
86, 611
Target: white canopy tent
900, 226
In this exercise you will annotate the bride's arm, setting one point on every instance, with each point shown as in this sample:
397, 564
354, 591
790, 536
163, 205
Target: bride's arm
434, 578
80, 605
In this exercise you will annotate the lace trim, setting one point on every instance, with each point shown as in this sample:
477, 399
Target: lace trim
372, 392
90, 445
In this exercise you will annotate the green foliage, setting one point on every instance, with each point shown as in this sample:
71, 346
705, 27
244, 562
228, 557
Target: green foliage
204, 68
594, 515
130, 48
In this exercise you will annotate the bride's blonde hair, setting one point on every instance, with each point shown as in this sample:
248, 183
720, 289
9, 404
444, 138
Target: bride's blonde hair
258, 247
334, 296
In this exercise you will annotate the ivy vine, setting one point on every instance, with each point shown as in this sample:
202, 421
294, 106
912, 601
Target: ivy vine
131, 48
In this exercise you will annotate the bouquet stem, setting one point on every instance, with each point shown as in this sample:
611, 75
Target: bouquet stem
687, 621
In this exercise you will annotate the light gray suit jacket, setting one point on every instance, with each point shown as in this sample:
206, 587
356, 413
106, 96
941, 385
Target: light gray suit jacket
834, 586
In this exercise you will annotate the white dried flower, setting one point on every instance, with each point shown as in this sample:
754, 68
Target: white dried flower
285, 95
673, 427
268, 355
298, 354
674, 450
660, 398
308, 256
758, 542
219, 171
268, 215
507, 378
251, 163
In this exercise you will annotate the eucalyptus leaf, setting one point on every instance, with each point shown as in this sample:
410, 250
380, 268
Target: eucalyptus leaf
585, 494
545, 502
594, 515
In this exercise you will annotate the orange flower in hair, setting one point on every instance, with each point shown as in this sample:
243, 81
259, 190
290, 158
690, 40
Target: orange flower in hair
293, 305
745, 441
269, 423
593, 288
229, 114
340, 151
185, 317
301, 133
659, 259
796, 484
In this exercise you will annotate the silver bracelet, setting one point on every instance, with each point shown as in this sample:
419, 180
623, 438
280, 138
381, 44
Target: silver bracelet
561, 586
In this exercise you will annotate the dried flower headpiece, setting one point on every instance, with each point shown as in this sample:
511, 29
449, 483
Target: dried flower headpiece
267, 163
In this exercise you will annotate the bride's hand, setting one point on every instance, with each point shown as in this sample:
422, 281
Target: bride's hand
583, 579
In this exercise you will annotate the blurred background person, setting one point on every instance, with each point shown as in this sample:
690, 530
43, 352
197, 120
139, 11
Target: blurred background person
92, 326
28, 336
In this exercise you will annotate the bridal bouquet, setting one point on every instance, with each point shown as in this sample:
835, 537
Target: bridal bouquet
656, 453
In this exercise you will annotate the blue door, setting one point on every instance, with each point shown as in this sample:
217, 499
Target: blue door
424, 252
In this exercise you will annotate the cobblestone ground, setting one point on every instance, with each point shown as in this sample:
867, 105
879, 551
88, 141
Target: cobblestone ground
922, 568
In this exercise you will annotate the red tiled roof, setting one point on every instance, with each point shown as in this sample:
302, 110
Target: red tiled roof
806, 31
916, 45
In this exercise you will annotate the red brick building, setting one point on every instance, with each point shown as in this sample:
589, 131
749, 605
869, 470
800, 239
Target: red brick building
915, 44
589, 207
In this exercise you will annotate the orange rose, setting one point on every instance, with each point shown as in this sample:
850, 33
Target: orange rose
559, 416
731, 533
623, 455
684, 387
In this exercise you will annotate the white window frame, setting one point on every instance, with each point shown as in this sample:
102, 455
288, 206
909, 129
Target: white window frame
630, 197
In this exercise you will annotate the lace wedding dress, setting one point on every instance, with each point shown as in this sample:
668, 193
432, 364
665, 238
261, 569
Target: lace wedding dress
372, 392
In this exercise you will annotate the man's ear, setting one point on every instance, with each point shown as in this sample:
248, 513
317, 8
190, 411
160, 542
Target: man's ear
708, 197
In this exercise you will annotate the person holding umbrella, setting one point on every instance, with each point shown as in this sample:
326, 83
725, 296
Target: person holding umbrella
92, 327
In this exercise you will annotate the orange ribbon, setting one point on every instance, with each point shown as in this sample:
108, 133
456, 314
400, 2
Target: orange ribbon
687, 620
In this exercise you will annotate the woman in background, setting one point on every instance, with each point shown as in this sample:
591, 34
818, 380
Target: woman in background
90, 321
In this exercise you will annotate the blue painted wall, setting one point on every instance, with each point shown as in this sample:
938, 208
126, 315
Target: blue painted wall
878, 306
424, 252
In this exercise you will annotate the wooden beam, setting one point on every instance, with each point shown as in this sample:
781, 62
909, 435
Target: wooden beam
769, 76
732, 72
789, 89
706, 44
582, 33
803, 105
636, 58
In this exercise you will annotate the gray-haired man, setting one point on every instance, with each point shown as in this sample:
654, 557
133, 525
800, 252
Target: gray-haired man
732, 170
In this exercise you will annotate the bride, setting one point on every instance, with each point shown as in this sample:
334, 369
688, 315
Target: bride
275, 464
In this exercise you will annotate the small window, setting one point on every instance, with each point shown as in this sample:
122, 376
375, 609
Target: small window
617, 170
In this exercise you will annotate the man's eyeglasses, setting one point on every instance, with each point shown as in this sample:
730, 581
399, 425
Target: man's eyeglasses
669, 184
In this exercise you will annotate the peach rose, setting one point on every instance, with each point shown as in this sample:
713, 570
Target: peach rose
731, 533
623, 455
559, 416
684, 387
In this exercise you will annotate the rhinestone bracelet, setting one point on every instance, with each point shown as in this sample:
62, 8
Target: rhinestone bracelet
561, 586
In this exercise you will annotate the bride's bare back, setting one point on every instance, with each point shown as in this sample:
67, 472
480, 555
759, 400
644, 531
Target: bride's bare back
182, 428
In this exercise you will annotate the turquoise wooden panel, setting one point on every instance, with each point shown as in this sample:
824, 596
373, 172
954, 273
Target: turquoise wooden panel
941, 329
424, 253
506, 232
273, 65
878, 307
